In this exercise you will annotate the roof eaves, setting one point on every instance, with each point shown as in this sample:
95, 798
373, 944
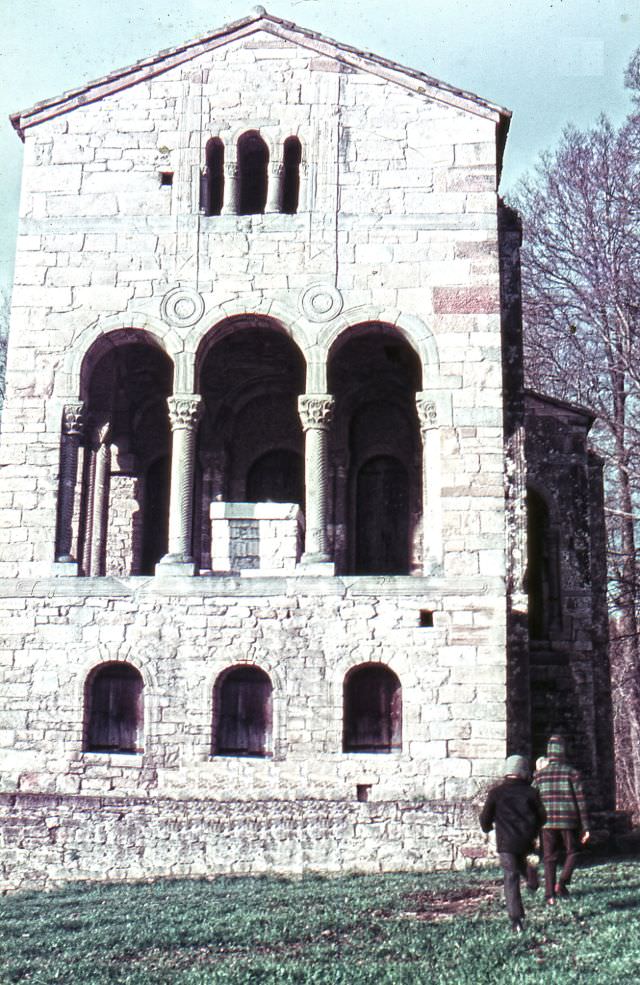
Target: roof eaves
170, 57
563, 405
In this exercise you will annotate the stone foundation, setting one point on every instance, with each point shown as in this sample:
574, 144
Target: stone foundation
49, 840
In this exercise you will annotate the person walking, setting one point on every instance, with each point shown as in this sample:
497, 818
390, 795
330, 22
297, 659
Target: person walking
567, 824
516, 811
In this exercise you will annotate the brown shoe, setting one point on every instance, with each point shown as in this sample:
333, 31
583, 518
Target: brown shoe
561, 890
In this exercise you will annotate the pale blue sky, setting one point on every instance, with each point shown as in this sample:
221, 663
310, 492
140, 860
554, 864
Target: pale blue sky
551, 62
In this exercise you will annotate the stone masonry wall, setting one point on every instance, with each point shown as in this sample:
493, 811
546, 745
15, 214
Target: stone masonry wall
48, 840
397, 223
305, 633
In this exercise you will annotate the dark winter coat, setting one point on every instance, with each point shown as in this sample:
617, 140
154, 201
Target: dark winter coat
516, 811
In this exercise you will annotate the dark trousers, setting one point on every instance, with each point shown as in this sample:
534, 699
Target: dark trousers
514, 868
556, 844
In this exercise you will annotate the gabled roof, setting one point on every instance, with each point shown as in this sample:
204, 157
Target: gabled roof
533, 397
259, 20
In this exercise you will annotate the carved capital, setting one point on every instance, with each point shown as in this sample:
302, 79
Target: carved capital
315, 411
427, 412
276, 167
184, 411
231, 169
72, 419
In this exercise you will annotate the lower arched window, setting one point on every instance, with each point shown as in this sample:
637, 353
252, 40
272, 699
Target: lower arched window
372, 710
243, 713
114, 709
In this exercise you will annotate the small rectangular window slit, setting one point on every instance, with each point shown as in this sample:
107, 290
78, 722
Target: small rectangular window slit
166, 178
362, 792
426, 618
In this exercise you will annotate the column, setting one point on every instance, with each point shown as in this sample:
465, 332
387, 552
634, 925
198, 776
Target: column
100, 505
431, 483
315, 413
184, 413
230, 197
274, 191
72, 425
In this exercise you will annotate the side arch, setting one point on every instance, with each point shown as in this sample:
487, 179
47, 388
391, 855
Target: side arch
101, 335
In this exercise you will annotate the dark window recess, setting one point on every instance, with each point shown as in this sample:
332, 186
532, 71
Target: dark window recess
243, 713
543, 579
382, 517
426, 618
363, 791
114, 709
291, 175
155, 529
372, 710
212, 178
253, 158
277, 477
166, 178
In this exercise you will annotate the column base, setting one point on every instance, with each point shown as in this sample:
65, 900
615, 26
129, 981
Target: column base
175, 566
315, 564
65, 568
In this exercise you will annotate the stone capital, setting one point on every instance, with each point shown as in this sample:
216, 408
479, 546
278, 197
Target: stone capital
427, 411
231, 169
315, 411
184, 411
72, 419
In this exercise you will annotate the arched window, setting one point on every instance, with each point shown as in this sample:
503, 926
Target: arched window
372, 710
542, 568
291, 176
253, 158
114, 709
242, 713
212, 178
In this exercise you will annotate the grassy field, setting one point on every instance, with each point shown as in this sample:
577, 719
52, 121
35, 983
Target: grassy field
387, 930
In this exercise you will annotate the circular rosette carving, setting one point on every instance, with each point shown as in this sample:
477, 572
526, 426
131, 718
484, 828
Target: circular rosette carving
182, 307
321, 303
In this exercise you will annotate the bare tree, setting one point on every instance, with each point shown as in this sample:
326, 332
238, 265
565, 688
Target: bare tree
581, 284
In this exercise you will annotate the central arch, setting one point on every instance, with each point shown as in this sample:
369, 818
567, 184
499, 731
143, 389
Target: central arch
250, 444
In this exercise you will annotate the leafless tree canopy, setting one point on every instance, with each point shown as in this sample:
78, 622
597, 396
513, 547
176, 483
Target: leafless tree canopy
581, 283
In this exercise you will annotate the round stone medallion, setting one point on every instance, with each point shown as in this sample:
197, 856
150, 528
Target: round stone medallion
322, 302
182, 306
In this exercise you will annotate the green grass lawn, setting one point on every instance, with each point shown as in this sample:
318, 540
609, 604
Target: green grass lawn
388, 930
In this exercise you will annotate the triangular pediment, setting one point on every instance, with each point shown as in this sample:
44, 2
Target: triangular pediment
343, 56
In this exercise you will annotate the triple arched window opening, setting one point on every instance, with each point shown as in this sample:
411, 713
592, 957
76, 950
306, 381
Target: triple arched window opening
242, 721
250, 186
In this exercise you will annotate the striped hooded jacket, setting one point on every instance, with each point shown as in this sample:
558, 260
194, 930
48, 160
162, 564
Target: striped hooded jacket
560, 789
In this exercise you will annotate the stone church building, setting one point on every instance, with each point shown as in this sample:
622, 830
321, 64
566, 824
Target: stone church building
289, 558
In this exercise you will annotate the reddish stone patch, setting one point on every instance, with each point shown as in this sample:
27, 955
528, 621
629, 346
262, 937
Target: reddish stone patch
466, 300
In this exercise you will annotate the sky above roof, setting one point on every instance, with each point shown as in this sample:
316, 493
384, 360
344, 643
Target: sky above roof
552, 62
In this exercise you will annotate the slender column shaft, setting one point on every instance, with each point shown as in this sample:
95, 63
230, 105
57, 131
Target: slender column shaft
230, 200
431, 507
184, 412
71, 432
315, 413
100, 509
274, 192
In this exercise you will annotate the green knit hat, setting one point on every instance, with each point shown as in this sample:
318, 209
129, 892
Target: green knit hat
556, 748
516, 766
